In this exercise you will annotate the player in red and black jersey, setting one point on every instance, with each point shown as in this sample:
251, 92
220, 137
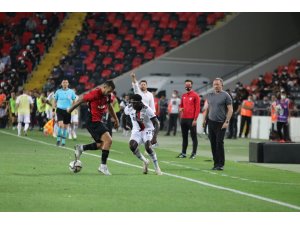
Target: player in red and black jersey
99, 101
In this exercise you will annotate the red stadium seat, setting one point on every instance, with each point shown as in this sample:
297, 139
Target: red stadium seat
106, 73
103, 48
26, 37
159, 51
92, 36
141, 49
98, 42
111, 37
119, 55
83, 79
149, 55
136, 62
135, 43
167, 37
154, 43
106, 61
85, 48
91, 67
119, 67
173, 44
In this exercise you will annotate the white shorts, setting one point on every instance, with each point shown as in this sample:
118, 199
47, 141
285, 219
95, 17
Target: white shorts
49, 114
142, 136
74, 118
24, 118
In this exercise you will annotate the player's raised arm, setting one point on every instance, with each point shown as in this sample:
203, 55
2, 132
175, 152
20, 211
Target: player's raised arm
133, 78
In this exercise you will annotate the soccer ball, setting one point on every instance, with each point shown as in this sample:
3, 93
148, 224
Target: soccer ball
75, 166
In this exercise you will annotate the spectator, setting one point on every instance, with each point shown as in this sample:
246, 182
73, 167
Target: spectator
236, 103
283, 113
3, 115
31, 24
163, 108
173, 111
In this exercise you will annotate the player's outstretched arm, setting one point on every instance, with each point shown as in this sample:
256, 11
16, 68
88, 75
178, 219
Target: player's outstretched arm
114, 116
76, 104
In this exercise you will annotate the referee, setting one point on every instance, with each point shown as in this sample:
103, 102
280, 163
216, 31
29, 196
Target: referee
218, 113
63, 99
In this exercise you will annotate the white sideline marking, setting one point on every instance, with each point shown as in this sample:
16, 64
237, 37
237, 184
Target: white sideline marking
226, 175
179, 177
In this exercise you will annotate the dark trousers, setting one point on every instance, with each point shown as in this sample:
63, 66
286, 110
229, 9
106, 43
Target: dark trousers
162, 119
284, 126
173, 123
216, 136
245, 120
186, 126
233, 127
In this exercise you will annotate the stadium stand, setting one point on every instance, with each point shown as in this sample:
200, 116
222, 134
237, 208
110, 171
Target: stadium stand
284, 77
110, 44
24, 38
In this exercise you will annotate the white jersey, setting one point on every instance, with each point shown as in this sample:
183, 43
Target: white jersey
140, 120
147, 97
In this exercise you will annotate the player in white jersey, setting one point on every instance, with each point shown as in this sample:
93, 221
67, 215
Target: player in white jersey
24, 104
145, 127
50, 111
141, 89
74, 121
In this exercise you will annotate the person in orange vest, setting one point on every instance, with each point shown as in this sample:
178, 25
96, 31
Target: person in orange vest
156, 104
273, 113
246, 115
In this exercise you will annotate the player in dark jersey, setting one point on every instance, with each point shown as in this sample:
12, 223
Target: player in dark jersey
99, 101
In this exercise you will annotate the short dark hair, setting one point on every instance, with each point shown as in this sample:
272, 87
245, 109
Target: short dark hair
110, 83
188, 81
143, 81
136, 98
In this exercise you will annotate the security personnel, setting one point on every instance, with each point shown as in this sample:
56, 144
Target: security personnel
246, 115
189, 109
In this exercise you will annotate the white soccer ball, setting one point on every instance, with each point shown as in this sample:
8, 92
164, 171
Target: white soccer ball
75, 166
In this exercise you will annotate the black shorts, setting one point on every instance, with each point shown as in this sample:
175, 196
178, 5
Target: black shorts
63, 115
96, 129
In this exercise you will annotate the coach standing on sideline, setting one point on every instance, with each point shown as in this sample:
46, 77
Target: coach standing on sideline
189, 109
219, 112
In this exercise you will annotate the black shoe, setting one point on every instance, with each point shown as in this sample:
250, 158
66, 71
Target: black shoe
167, 134
63, 145
58, 143
214, 168
193, 156
181, 156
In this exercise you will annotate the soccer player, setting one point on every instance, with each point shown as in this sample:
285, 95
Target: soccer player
63, 100
99, 100
145, 129
74, 122
24, 104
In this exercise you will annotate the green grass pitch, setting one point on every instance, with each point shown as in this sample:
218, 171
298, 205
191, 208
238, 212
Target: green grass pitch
34, 177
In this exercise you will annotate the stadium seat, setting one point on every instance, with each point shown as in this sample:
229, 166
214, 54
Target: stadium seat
106, 73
